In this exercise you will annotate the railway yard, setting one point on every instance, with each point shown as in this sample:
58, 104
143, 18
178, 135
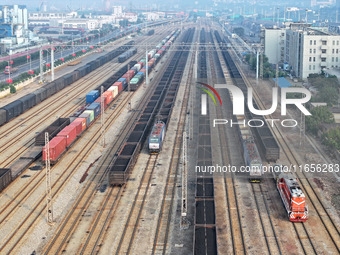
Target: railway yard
108, 192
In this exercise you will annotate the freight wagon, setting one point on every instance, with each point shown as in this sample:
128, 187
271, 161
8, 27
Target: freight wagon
5, 177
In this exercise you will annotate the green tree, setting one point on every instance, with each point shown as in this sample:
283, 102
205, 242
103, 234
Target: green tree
320, 114
239, 31
12, 89
332, 138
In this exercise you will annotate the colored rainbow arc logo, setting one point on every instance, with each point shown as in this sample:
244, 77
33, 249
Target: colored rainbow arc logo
209, 93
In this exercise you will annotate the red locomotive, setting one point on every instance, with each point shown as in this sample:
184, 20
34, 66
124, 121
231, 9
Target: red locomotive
292, 196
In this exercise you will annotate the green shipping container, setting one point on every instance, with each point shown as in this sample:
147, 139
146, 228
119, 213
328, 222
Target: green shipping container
91, 112
134, 81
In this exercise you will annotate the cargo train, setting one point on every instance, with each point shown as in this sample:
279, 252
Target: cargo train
64, 131
165, 91
156, 137
14, 109
267, 144
292, 197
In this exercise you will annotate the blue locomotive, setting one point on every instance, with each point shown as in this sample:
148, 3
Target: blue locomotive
156, 137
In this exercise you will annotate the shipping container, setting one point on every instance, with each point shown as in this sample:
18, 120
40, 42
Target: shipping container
109, 96
134, 69
78, 126
98, 100
141, 64
91, 113
70, 133
124, 83
57, 146
52, 130
134, 81
86, 116
92, 96
143, 70
5, 178
82, 121
114, 90
141, 74
95, 107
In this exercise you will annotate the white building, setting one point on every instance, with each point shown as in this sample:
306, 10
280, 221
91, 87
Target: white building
49, 18
117, 11
273, 40
306, 50
310, 51
86, 24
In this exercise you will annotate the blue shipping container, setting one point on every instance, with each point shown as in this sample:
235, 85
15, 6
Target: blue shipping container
94, 107
141, 73
124, 81
92, 96
134, 69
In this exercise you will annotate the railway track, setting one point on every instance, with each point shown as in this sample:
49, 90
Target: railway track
205, 239
18, 198
235, 222
62, 99
67, 174
97, 229
313, 198
165, 213
26, 223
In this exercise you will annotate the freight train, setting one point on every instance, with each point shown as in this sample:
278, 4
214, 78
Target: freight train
165, 92
156, 137
14, 109
266, 142
64, 131
251, 154
292, 197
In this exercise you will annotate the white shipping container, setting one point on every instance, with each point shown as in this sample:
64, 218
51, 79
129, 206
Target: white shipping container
138, 66
114, 90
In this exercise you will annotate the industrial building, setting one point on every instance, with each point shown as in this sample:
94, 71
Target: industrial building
13, 24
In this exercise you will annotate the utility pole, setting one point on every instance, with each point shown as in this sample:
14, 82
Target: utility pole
261, 66
49, 205
41, 65
129, 88
184, 208
147, 67
52, 63
277, 75
257, 65
102, 116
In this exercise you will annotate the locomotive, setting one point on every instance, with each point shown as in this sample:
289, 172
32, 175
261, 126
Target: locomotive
292, 197
156, 137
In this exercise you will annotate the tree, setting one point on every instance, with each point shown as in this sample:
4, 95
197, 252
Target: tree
320, 114
332, 138
12, 89
239, 31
